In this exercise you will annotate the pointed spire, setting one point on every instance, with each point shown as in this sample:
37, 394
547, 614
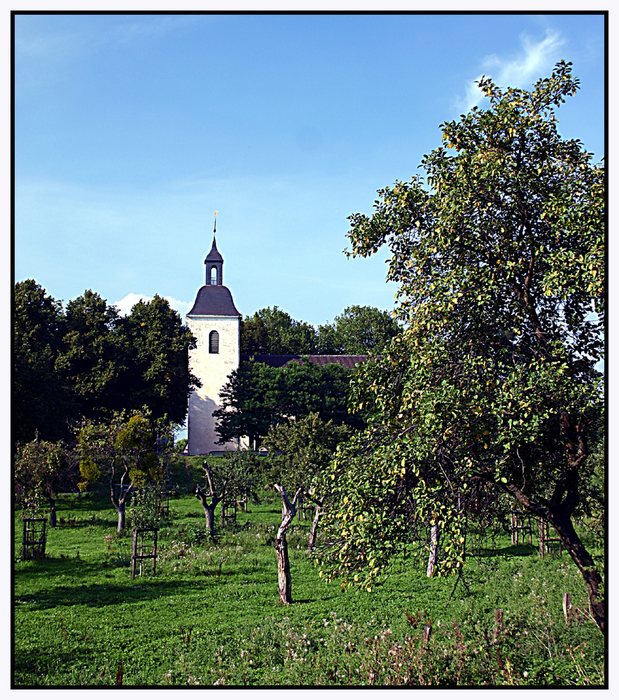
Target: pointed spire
214, 255
214, 262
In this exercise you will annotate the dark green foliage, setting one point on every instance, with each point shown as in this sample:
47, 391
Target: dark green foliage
87, 361
258, 396
272, 331
94, 359
158, 374
358, 330
249, 403
41, 399
494, 385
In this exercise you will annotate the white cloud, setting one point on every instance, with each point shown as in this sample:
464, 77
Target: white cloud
534, 60
125, 304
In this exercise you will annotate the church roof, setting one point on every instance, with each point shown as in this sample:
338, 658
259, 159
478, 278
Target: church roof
214, 255
347, 361
214, 300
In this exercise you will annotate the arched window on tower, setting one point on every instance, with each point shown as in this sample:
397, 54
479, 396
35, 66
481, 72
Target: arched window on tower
213, 275
213, 342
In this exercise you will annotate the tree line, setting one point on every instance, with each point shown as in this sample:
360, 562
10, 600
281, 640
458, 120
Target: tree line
358, 330
258, 396
88, 361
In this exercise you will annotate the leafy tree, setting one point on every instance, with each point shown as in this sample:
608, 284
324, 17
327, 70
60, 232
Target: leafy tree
229, 478
125, 452
41, 470
304, 388
258, 396
94, 359
299, 454
159, 374
249, 403
272, 331
358, 330
41, 400
494, 383
87, 361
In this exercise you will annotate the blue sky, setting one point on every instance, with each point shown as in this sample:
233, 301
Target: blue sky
130, 130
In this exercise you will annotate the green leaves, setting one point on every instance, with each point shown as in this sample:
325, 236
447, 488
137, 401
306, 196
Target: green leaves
87, 361
499, 256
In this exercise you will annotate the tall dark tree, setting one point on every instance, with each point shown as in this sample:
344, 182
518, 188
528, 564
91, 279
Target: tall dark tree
272, 331
358, 330
41, 399
94, 358
258, 396
250, 403
304, 388
158, 344
495, 382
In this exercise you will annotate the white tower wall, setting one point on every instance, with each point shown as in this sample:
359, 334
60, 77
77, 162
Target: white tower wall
213, 370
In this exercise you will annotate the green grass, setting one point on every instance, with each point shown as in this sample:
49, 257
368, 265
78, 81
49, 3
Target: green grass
211, 615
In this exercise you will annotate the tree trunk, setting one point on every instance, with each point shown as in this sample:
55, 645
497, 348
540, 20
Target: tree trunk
312, 536
209, 508
284, 580
52, 511
209, 515
433, 558
120, 509
557, 513
586, 566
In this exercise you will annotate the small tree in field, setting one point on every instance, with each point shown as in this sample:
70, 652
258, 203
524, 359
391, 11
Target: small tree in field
124, 453
230, 477
289, 510
42, 468
494, 384
299, 453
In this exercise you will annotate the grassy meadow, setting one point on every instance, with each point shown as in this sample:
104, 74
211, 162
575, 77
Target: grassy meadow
211, 615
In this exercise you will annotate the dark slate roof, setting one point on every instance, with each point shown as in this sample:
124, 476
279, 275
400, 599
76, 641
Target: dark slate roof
214, 300
214, 255
347, 361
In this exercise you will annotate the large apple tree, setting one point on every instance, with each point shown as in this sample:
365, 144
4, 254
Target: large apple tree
495, 385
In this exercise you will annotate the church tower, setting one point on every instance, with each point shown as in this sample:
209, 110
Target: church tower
215, 324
